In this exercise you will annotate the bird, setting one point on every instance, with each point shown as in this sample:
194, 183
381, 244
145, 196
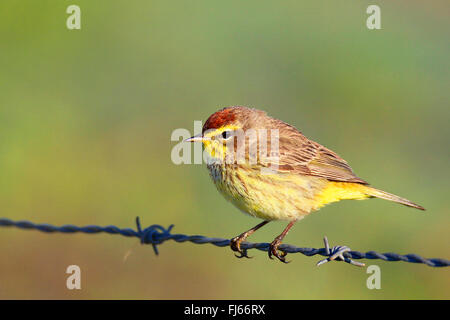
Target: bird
268, 169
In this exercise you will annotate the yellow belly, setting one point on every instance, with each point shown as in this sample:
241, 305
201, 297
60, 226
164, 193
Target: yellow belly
336, 191
279, 196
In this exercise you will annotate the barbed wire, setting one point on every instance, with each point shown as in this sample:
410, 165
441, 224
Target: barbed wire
156, 235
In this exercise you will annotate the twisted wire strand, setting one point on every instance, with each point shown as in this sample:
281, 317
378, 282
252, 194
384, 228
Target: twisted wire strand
156, 235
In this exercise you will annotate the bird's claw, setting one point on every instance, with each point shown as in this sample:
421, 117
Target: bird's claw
273, 251
243, 254
235, 245
337, 254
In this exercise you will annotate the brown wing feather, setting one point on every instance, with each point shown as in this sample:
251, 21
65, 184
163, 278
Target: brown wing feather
300, 155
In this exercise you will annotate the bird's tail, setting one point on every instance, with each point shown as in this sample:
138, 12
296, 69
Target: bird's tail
372, 192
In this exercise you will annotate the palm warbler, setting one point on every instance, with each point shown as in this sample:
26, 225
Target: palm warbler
300, 175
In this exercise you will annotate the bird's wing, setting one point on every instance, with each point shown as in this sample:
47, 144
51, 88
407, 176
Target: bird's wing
298, 154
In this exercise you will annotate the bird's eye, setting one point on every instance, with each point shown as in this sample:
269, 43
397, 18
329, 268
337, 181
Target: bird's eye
226, 134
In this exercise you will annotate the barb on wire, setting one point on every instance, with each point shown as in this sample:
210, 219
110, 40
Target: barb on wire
156, 235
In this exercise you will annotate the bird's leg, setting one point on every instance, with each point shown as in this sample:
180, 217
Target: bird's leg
235, 243
273, 249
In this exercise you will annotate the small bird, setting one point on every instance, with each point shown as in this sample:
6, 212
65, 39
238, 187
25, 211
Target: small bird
277, 175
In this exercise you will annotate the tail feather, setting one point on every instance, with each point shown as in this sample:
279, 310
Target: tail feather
372, 192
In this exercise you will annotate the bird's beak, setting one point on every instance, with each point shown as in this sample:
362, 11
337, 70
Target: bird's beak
197, 138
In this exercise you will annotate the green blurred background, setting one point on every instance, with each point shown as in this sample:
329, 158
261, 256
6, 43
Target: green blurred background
86, 118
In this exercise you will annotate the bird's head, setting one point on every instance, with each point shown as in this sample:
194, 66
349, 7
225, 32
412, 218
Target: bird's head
221, 130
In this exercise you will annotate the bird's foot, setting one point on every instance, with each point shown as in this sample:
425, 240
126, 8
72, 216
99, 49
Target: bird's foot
273, 251
235, 245
337, 254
